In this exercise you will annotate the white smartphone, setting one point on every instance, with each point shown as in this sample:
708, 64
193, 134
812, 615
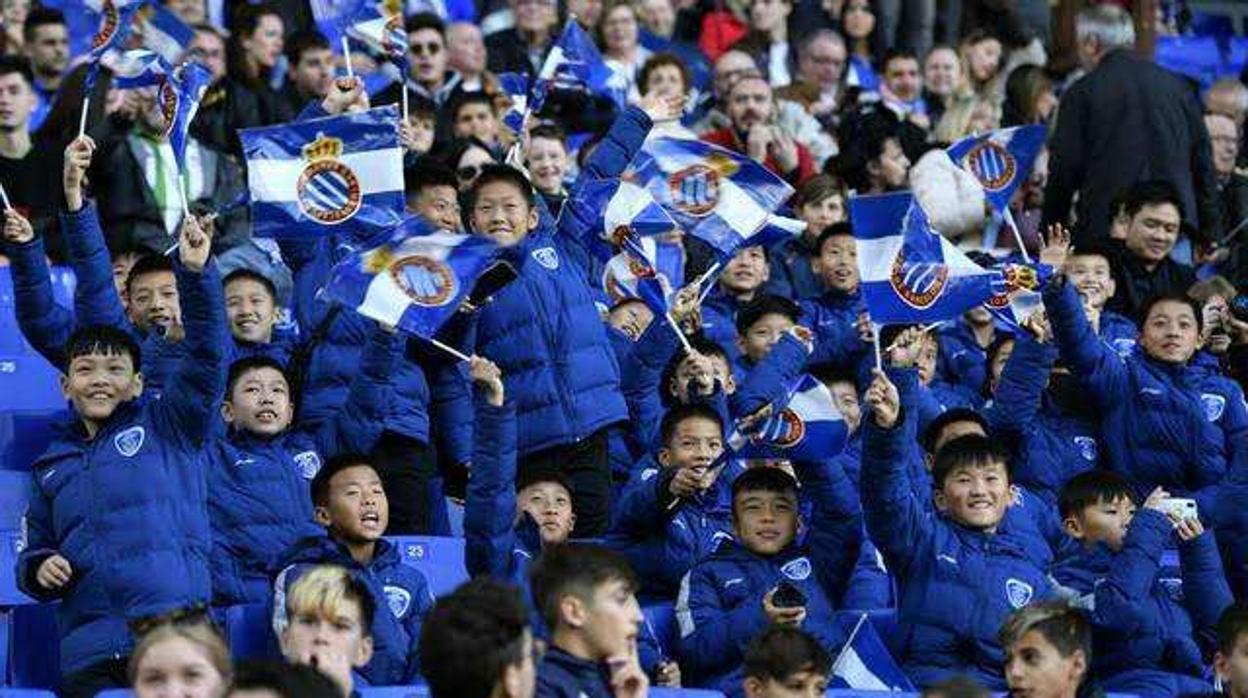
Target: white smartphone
1179, 507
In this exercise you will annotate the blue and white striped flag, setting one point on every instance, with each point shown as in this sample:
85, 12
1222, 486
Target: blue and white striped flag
186, 89
139, 68
165, 33
647, 268
115, 18
515, 86
808, 428
323, 176
415, 280
379, 25
1001, 160
574, 63
909, 272
723, 198
865, 663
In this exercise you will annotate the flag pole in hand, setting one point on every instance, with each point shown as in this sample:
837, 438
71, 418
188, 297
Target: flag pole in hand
449, 349
5, 196
82, 118
346, 58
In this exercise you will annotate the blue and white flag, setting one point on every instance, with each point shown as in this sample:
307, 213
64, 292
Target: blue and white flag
165, 33
515, 86
910, 273
1016, 297
1001, 160
139, 68
379, 24
574, 63
115, 20
179, 100
808, 428
647, 268
323, 176
865, 663
620, 210
718, 196
415, 280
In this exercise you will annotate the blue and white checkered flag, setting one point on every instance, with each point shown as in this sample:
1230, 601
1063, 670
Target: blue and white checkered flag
322, 176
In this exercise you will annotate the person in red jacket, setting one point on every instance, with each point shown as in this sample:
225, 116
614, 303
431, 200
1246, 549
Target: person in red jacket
754, 132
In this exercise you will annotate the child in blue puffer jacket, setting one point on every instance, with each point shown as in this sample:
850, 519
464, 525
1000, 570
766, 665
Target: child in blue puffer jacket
1148, 635
116, 527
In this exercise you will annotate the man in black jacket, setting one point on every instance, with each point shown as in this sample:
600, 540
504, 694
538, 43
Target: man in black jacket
1141, 263
1127, 120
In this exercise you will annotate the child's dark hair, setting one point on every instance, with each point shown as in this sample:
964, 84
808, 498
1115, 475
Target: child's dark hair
836, 230
574, 569
1232, 625
1093, 248
251, 363
464, 99
931, 435
1091, 488
832, 373
333, 466
970, 450
1181, 299
998, 345
148, 264
470, 637
245, 274
282, 679
1067, 629
780, 652
421, 108
102, 339
679, 413
537, 475
763, 305
426, 173
706, 347
772, 480
551, 132
493, 174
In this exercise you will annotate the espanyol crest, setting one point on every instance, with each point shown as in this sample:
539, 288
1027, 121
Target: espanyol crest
919, 284
110, 24
1214, 405
308, 462
129, 441
547, 257
797, 569
1087, 447
427, 282
167, 100
694, 190
398, 599
393, 36
327, 191
785, 430
992, 164
1018, 592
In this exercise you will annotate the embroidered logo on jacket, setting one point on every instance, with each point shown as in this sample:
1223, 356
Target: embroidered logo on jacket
399, 600
547, 257
308, 463
1018, 592
797, 569
1087, 447
1214, 405
129, 441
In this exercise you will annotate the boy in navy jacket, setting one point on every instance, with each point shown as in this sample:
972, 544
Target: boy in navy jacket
837, 315
765, 576
1148, 636
252, 312
116, 527
784, 661
1090, 270
350, 503
960, 572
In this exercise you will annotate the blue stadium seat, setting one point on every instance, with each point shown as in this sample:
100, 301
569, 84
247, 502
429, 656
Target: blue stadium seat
34, 651
248, 630
10, 546
417, 691
661, 621
14, 493
656, 692
115, 693
441, 560
26, 693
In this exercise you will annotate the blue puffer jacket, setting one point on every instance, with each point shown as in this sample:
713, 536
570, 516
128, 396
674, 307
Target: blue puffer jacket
401, 594
127, 508
833, 317
661, 538
259, 494
1119, 332
963, 361
1141, 625
1164, 425
561, 675
45, 324
1050, 446
720, 607
719, 323
957, 585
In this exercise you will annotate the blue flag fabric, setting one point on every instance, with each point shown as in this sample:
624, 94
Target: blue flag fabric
574, 63
808, 428
339, 174
116, 18
165, 33
414, 280
1001, 160
718, 196
516, 87
647, 268
179, 99
866, 664
140, 68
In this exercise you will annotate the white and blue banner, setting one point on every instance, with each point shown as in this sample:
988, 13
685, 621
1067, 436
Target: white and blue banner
574, 63
324, 176
647, 268
187, 88
1001, 160
114, 20
722, 198
164, 33
415, 280
865, 663
515, 86
809, 427
139, 68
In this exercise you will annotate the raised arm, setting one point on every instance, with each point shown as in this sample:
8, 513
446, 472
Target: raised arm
1202, 569
1016, 401
46, 325
771, 379
835, 537
1121, 599
357, 425
490, 509
95, 299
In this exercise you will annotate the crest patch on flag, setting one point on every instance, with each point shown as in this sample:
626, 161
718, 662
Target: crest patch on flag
327, 190
427, 282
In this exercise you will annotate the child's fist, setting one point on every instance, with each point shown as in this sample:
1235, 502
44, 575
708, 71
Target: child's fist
487, 375
54, 573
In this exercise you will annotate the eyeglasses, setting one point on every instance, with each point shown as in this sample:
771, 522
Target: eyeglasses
419, 49
468, 173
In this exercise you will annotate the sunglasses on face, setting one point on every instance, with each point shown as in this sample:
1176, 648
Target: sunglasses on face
431, 49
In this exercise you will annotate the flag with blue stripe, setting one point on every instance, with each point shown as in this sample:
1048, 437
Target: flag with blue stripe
1001, 160
809, 427
909, 272
139, 68
722, 198
165, 33
516, 87
1016, 298
574, 63
647, 268
415, 280
324, 176
865, 663
190, 81
115, 18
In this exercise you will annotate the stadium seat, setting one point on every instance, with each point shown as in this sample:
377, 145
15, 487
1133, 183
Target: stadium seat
661, 622
441, 560
10, 546
14, 493
115, 693
248, 630
417, 691
656, 692
26, 693
34, 652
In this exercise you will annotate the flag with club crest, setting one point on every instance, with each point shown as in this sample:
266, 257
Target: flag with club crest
187, 86
164, 33
338, 174
720, 197
414, 280
1016, 296
1001, 160
808, 427
574, 63
909, 272
115, 18
865, 663
647, 268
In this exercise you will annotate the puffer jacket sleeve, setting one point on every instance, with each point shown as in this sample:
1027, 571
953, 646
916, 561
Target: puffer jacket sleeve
39, 543
1100, 369
357, 425
450, 401
771, 379
186, 411
641, 374
46, 325
835, 537
896, 521
1123, 598
713, 637
422, 600
1016, 402
1202, 569
95, 299
490, 508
